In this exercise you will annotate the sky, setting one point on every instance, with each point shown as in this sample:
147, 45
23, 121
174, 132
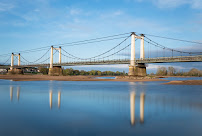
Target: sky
28, 24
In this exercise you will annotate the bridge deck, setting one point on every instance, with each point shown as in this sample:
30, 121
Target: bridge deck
125, 61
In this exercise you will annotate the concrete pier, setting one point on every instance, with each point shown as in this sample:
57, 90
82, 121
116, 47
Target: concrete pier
55, 71
15, 71
138, 70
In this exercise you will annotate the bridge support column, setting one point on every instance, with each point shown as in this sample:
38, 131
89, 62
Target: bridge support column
137, 69
12, 61
19, 59
55, 71
142, 56
140, 68
132, 59
59, 55
15, 71
51, 57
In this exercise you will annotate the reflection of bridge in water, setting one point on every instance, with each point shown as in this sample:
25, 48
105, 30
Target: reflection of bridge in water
51, 98
135, 103
11, 93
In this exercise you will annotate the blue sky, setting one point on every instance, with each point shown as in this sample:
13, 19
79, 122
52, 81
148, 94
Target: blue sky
27, 24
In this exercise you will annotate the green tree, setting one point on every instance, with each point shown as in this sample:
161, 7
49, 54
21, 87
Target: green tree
161, 71
44, 71
171, 71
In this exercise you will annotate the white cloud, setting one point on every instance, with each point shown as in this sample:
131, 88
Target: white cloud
111, 14
165, 4
196, 4
36, 10
5, 7
170, 3
75, 11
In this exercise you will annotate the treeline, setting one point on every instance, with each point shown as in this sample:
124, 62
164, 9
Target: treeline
171, 71
71, 72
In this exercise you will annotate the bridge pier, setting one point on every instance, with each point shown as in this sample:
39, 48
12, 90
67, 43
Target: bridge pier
15, 71
138, 70
55, 71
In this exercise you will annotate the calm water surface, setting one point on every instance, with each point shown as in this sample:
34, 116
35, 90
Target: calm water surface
68, 108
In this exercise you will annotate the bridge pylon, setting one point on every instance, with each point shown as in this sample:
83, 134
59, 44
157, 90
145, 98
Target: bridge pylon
137, 69
55, 70
12, 69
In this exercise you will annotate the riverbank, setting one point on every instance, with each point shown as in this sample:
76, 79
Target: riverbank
72, 78
185, 82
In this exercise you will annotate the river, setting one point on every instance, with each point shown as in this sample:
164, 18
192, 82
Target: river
38, 108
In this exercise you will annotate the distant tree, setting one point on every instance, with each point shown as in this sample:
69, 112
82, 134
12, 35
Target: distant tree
44, 71
70, 71
171, 71
161, 71
82, 72
99, 73
194, 72
76, 72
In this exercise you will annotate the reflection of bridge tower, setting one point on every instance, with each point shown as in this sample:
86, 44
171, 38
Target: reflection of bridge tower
15, 70
18, 93
142, 99
51, 98
140, 68
11, 93
59, 97
55, 70
132, 107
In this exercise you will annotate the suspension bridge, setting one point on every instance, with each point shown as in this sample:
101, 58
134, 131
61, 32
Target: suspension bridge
122, 53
